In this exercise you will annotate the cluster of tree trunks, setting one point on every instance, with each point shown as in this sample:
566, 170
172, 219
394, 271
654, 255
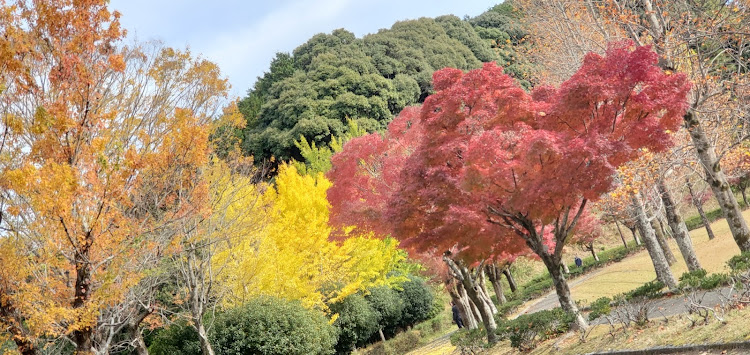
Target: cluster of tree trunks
467, 288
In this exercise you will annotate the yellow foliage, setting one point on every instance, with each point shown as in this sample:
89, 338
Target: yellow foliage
292, 256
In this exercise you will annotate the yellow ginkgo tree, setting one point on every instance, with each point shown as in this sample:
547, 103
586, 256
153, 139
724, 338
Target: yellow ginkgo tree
293, 256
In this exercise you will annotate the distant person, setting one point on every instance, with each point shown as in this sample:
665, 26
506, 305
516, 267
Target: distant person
578, 261
456, 315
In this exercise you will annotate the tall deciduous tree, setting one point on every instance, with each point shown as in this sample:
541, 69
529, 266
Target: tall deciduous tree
497, 164
707, 40
104, 148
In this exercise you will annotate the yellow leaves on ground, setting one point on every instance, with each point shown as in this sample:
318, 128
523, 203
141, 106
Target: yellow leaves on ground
291, 255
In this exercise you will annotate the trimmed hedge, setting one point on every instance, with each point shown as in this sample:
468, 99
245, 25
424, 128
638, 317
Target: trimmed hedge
268, 325
526, 331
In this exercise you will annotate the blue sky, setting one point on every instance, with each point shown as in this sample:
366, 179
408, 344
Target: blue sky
243, 36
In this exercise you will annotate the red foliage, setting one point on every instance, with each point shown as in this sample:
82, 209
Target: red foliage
487, 162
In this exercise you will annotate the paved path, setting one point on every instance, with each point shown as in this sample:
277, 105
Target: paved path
666, 307
550, 300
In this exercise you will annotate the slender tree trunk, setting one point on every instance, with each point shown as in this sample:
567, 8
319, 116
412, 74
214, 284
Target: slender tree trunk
484, 293
663, 272
135, 332
565, 268
679, 230
664, 231
472, 306
744, 195
622, 237
563, 291
593, 251
462, 302
699, 206
473, 290
206, 347
663, 243
718, 182
511, 280
82, 336
635, 235
493, 274
382, 336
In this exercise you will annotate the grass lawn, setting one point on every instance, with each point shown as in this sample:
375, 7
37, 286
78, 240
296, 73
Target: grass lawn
636, 270
676, 331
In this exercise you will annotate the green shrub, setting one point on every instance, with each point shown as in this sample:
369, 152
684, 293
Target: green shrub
692, 279
648, 290
268, 325
469, 340
740, 263
389, 306
178, 338
526, 331
404, 342
713, 281
418, 301
509, 307
600, 308
357, 321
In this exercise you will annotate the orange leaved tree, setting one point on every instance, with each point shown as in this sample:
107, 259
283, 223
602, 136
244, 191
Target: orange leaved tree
101, 148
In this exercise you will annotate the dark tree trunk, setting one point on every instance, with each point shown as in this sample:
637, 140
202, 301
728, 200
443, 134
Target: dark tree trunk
622, 237
679, 230
718, 182
663, 243
663, 272
511, 280
83, 336
744, 194
699, 206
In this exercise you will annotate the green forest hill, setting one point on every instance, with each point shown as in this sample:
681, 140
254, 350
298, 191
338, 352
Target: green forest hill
336, 77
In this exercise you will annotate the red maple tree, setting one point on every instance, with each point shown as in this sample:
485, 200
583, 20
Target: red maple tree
497, 169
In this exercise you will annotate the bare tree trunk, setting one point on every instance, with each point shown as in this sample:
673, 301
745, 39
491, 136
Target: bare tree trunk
663, 272
633, 230
493, 274
473, 290
206, 347
511, 280
462, 302
472, 306
663, 243
622, 237
563, 291
135, 332
718, 182
699, 206
565, 268
679, 230
484, 293
591, 248
83, 336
